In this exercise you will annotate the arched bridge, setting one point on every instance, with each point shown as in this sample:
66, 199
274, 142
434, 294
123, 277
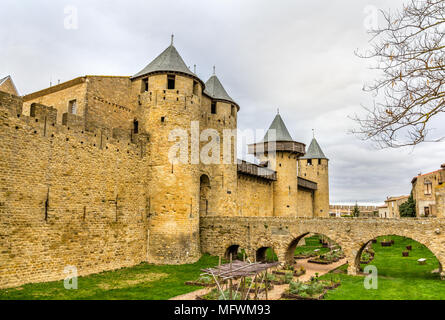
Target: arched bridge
219, 235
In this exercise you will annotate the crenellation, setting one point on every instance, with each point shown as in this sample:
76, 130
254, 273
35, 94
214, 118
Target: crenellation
88, 180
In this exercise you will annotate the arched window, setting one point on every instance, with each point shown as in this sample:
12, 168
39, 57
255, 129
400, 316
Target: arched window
204, 195
428, 187
135, 126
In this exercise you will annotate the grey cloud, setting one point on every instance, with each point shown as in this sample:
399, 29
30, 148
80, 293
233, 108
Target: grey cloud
293, 55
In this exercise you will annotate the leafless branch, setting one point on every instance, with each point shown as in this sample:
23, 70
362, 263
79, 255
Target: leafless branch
409, 51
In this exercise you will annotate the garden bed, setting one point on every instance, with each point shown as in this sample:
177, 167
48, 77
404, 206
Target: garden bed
305, 256
295, 273
312, 290
323, 261
287, 295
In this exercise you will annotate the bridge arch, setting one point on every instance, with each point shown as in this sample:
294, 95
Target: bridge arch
261, 254
232, 251
354, 264
290, 250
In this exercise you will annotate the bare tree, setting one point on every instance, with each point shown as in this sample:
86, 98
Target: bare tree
410, 54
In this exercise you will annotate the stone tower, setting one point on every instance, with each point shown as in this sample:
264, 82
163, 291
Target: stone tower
220, 114
280, 153
169, 97
314, 166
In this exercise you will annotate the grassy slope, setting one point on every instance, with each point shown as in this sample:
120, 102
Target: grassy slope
399, 277
140, 282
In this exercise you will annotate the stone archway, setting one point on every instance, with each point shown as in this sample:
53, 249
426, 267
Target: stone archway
204, 194
232, 251
261, 254
354, 267
290, 250
289, 257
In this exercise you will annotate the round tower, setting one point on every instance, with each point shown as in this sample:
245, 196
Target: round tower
314, 166
169, 98
219, 112
280, 152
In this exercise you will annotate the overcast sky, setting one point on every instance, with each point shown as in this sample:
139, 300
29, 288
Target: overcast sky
293, 55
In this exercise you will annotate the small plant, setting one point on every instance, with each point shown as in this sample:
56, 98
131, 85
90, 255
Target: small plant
288, 277
271, 277
205, 279
289, 267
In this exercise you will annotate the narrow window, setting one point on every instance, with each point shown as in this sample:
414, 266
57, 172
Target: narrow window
136, 126
319, 161
144, 85
233, 111
72, 107
213, 108
428, 187
171, 82
309, 162
195, 88
162, 119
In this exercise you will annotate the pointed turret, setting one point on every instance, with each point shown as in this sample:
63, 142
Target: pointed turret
168, 61
281, 132
314, 151
314, 166
280, 152
215, 89
277, 138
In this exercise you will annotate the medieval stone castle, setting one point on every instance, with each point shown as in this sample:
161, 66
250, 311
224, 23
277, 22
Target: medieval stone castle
86, 178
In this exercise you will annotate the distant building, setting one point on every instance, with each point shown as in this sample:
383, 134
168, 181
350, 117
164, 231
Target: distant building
383, 211
8, 86
429, 193
393, 204
346, 210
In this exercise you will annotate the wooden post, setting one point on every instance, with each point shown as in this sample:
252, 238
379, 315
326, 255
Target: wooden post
256, 289
266, 282
230, 281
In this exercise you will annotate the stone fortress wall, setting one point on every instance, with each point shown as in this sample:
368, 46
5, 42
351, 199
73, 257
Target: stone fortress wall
87, 180
67, 197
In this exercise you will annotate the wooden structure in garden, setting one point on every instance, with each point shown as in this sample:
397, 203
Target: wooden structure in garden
240, 271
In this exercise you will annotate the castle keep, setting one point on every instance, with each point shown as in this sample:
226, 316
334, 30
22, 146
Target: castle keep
86, 178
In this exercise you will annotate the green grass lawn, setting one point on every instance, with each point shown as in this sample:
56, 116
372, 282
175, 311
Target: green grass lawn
145, 281
399, 278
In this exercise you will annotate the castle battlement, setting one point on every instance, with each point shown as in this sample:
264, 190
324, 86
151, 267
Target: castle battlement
88, 178
42, 121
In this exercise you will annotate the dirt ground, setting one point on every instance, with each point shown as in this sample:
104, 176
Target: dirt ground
277, 290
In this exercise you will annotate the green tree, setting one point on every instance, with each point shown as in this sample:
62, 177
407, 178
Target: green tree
408, 208
356, 210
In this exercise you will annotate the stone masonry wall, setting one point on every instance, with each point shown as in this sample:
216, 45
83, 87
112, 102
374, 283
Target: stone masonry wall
67, 197
254, 197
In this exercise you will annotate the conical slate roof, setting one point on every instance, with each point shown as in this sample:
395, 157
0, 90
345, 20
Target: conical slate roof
314, 151
281, 132
168, 60
215, 89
